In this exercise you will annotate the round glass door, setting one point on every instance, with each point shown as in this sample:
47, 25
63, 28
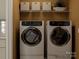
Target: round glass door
31, 36
60, 36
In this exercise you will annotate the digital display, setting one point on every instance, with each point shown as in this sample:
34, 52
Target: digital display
32, 23
59, 23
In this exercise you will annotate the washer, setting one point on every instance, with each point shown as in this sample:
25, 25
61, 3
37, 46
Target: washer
59, 38
31, 39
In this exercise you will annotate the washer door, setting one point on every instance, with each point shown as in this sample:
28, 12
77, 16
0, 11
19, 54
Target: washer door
31, 36
60, 36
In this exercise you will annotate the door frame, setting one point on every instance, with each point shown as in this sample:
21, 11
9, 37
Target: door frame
9, 28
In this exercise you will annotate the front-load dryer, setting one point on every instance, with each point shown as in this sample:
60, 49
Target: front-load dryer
59, 39
31, 39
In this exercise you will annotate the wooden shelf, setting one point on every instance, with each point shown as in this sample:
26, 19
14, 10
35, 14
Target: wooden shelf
46, 11
45, 14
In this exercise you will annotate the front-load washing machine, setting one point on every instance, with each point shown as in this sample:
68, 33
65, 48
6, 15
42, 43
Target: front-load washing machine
59, 39
31, 39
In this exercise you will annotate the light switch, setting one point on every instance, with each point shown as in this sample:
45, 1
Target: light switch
46, 6
25, 6
78, 30
35, 6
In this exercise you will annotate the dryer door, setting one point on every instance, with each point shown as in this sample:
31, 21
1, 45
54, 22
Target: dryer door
31, 36
60, 36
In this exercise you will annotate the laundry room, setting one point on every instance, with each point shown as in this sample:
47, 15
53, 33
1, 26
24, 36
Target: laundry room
45, 29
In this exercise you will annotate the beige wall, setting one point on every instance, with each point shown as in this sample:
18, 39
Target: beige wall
2, 9
74, 16
15, 21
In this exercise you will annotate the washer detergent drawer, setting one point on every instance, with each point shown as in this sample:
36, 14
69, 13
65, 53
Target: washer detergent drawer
64, 57
51, 57
2, 53
31, 57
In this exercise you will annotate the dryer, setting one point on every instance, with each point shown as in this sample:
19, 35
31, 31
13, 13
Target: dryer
31, 39
59, 39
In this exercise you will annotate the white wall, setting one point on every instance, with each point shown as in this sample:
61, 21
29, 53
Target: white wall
2, 9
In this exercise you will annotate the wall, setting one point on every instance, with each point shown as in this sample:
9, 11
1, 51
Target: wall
74, 16
15, 21
2, 40
2, 9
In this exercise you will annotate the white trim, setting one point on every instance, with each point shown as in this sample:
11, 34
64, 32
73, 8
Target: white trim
9, 27
3, 37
